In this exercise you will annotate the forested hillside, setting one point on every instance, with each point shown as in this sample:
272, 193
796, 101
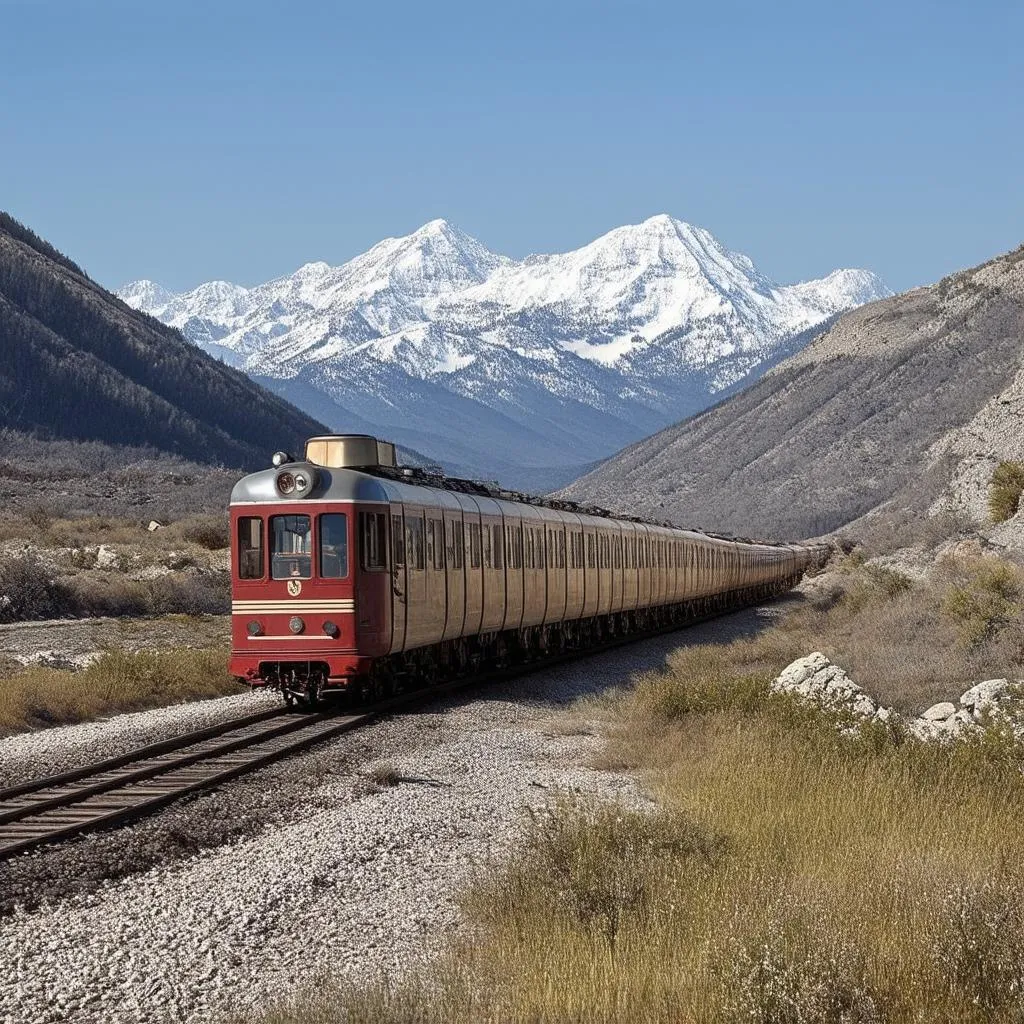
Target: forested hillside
78, 363
913, 399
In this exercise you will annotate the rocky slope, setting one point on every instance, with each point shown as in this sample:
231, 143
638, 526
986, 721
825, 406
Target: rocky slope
80, 364
911, 400
524, 369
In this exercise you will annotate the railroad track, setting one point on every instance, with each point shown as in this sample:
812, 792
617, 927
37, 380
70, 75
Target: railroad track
130, 785
121, 788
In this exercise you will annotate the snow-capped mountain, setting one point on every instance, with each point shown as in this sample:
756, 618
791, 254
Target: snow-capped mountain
526, 369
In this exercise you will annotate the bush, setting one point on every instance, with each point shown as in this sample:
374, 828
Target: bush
1005, 490
769, 982
210, 532
29, 590
985, 603
982, 947
598, 862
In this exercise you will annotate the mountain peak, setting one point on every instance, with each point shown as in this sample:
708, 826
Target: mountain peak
585, 350
146, 295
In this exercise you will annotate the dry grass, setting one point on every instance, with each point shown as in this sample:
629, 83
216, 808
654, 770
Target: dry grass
789, 874
912, 643
37, 526
119, 681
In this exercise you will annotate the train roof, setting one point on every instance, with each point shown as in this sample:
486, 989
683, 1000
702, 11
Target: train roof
414, 486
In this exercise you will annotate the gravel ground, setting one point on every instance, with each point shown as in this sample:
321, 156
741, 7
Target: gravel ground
241, 896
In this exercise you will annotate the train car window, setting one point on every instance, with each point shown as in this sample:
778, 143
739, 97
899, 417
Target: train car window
437, 534
414, 542
590, 551
474, 545
374, 540
332, 537
488, 554
250, 548
397, 541
498, 547
561, 550
514, 546
291, 540
455, 545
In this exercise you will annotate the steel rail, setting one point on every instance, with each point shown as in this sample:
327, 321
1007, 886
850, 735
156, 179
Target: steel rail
130, 785
127, 786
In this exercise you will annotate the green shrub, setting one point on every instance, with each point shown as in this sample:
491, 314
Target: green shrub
1005, 490
985, 603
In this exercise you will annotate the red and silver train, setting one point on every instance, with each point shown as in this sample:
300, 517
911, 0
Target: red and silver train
351, 573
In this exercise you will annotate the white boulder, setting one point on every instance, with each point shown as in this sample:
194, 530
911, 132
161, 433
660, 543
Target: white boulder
985, 694
939, 712
816, 678
106, 557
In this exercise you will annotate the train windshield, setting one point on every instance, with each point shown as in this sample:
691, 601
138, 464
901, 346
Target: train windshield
291, 546
333, 546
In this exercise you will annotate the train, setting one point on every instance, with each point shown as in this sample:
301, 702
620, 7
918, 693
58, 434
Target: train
353, 574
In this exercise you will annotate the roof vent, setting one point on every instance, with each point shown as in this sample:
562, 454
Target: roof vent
350, 451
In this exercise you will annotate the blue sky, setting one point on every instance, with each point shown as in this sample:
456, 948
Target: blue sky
189, 141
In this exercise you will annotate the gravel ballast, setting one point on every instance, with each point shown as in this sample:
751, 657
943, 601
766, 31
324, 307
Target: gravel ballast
338, 876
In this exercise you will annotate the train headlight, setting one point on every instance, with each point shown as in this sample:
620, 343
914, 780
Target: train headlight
295, 624
331, 629
254, 628
296, 483
279, 459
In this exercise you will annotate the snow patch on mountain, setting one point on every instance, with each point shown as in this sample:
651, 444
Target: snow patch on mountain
558, 359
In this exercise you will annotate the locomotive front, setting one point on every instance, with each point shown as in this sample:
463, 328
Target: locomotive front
295, 571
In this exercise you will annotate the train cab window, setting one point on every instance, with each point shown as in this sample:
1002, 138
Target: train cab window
332, 532
374, 541
250, 548
291, 540
397, 541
